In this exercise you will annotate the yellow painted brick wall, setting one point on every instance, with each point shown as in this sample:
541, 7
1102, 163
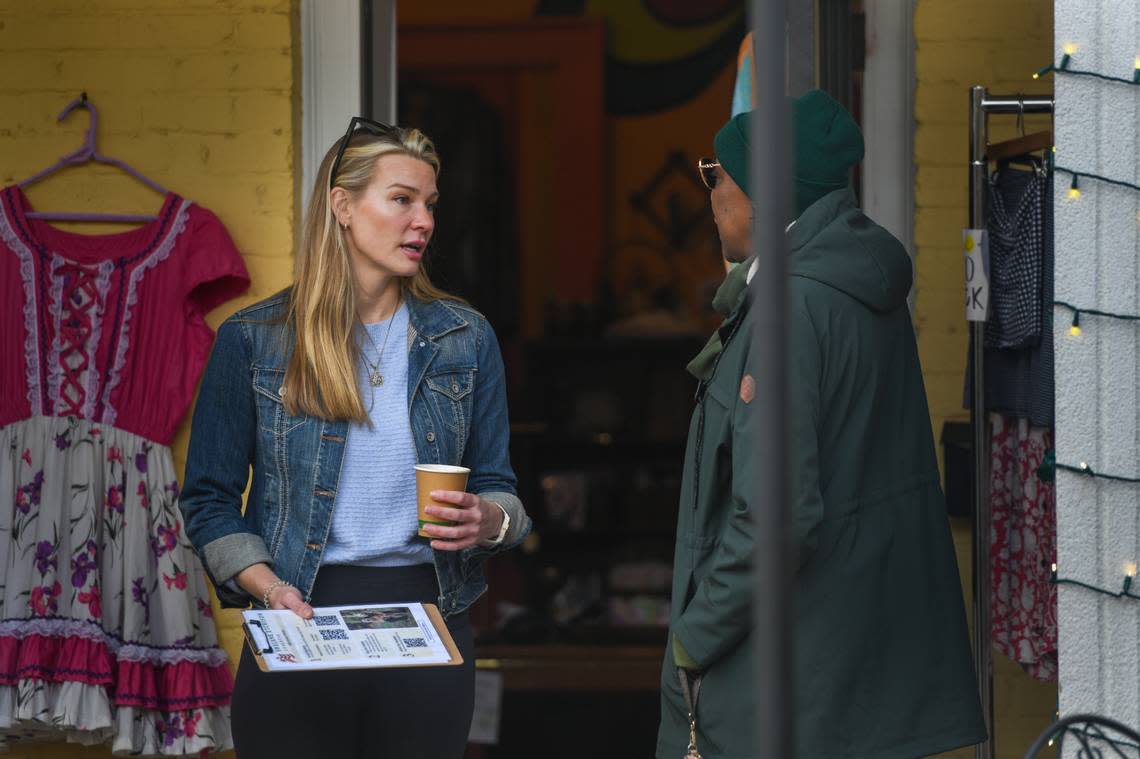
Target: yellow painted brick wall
960, 43
200, 95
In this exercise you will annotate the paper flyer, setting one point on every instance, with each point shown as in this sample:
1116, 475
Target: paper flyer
348, 637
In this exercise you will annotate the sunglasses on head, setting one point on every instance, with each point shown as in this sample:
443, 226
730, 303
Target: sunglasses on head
368, 125
707, 167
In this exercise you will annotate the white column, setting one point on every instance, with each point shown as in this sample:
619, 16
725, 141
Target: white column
330, 81
888, 117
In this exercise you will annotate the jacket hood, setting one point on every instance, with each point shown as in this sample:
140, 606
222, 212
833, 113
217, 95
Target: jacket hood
834, 242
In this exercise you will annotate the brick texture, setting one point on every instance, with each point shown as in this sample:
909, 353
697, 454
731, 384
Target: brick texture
201, 95
198, 94
961, 43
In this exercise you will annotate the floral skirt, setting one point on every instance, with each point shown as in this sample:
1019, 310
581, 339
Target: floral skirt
1024, 535
106, 630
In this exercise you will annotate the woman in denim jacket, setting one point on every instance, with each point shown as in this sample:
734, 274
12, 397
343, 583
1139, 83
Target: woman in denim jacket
322, 399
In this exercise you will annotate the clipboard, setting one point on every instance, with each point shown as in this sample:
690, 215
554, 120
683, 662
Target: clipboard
259, 646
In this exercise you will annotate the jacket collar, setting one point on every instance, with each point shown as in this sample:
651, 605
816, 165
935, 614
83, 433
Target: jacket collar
431, 319
434, 319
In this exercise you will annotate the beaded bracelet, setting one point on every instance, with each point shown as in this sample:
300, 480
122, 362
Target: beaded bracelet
273, 586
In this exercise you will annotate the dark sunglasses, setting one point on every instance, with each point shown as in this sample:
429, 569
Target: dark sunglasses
707, 167
368, 125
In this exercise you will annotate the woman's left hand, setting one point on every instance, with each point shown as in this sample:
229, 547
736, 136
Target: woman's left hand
476, 520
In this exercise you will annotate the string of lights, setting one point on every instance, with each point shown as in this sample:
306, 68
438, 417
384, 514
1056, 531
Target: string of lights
1063, 68
1078, 311
1088, 730
1125, 587
1075, 185
1049, 467
1129, 569
1084, 469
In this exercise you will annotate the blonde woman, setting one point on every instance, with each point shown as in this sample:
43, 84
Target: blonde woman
322, 399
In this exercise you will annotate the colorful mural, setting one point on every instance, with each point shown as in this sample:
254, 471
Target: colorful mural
670, 68
660, 53
744, 91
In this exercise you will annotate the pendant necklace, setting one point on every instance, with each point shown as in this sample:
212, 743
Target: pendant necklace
375, 377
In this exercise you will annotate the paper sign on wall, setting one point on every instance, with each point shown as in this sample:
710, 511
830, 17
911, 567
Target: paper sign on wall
488, 708
975, 247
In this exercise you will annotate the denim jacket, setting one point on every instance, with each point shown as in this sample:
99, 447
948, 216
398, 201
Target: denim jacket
458, 411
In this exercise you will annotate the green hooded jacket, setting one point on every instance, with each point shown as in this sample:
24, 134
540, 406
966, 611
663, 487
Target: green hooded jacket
882, 661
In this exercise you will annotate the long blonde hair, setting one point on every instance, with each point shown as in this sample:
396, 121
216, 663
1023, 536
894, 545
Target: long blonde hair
320, 379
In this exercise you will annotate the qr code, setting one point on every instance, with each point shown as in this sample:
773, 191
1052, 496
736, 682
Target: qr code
415, 643
326, 621
334, 635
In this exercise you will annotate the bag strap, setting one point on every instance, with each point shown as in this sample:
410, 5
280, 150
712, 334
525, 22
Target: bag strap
690, 694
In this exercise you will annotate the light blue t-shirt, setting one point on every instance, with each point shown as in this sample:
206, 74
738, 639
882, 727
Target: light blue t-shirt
374, 516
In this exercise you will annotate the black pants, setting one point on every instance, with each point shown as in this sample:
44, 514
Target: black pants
413, 713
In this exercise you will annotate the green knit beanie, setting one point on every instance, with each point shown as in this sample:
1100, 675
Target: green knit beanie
827, 144
732, 148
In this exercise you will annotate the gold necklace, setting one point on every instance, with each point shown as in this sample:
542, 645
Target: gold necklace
375, 377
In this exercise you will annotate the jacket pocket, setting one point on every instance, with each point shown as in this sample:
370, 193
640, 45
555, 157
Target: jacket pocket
451, 391
674, 713
269, 386
725, 706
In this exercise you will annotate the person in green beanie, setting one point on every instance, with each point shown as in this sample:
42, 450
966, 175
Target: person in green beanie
708, 657
881, 661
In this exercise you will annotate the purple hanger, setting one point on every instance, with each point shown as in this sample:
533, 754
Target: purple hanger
83, 154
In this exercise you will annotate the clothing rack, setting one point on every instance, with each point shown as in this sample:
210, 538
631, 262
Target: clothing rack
982, 104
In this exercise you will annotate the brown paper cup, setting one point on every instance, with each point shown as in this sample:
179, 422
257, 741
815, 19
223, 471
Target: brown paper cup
431, 477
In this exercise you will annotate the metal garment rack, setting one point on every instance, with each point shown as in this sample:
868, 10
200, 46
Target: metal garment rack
982, 104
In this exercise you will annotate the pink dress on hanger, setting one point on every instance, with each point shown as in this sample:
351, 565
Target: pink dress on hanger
106, 631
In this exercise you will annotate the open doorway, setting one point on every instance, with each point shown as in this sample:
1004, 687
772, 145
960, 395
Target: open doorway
572, 216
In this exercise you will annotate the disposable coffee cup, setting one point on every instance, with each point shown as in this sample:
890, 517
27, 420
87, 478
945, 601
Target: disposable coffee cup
431, 477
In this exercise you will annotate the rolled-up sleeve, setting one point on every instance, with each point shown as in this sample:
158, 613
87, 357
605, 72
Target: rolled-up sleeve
222, 441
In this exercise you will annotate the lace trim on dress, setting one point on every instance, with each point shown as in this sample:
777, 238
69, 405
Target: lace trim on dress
211, 657
55, 310
159, 255
31, 328
138, 652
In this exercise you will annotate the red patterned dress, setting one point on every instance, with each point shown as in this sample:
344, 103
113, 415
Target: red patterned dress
106, 633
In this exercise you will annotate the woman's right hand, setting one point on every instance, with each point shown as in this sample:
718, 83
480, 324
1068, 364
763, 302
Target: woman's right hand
255, 579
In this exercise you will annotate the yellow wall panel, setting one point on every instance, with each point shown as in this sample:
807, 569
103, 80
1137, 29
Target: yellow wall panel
960, 44
200, 95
